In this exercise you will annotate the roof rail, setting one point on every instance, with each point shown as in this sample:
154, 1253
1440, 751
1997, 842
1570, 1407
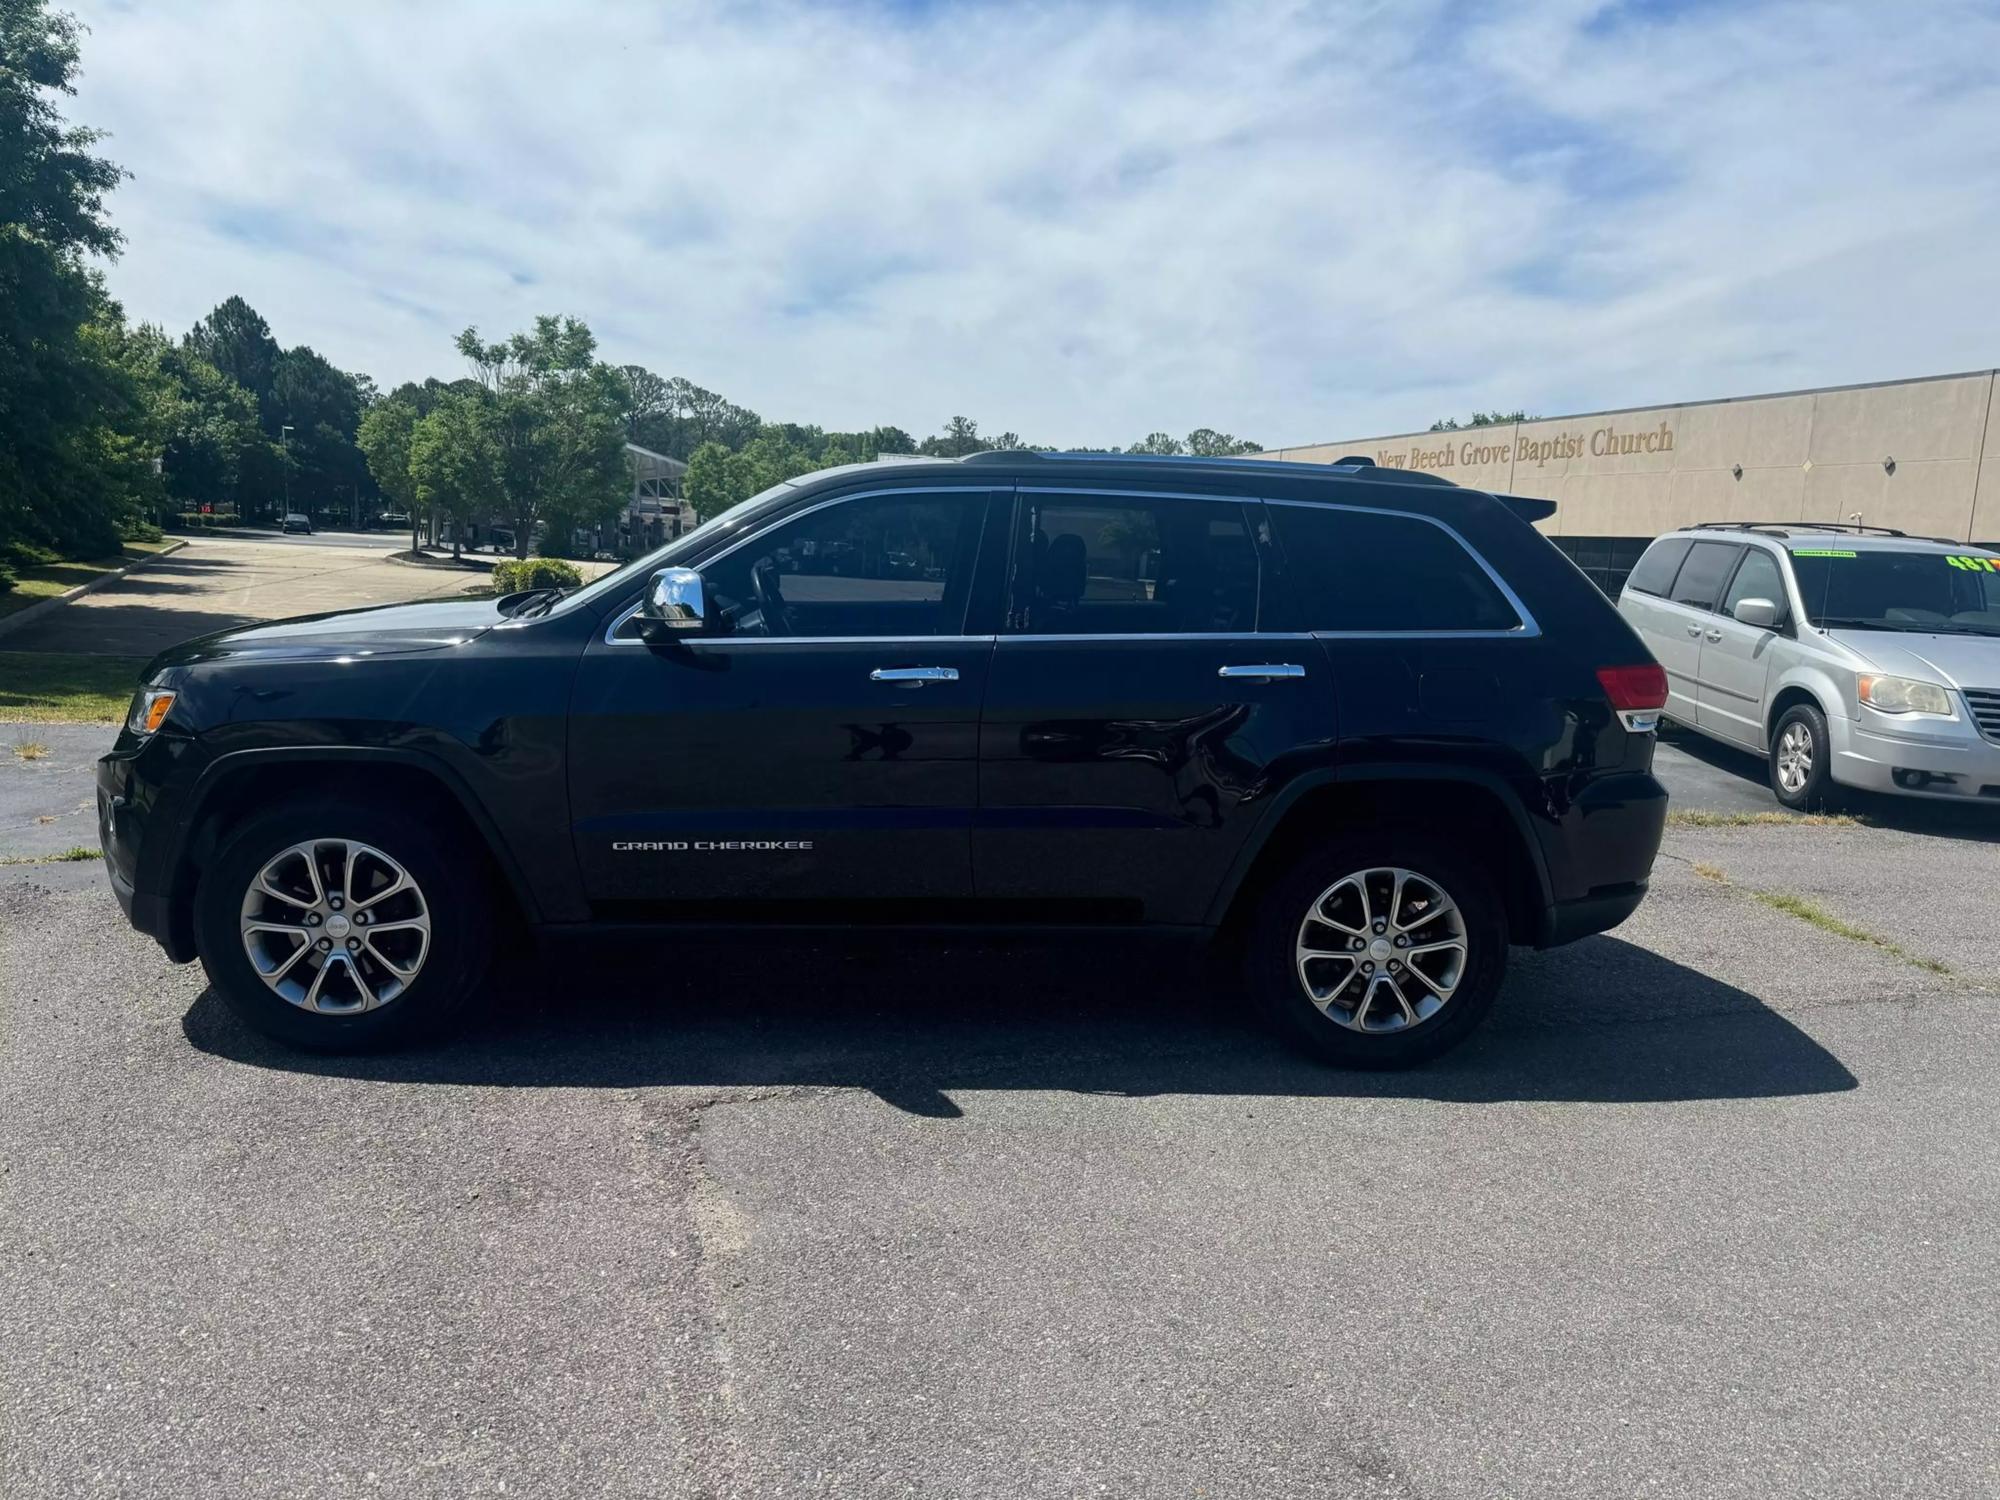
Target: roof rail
1786, 528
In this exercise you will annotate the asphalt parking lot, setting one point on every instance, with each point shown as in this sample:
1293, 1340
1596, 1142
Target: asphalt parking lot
1710, 1207
219, 582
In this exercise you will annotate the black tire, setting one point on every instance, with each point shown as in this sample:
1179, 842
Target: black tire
1274, 976
1817, 792
454, 891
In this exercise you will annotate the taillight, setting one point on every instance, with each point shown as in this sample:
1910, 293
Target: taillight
1638, 693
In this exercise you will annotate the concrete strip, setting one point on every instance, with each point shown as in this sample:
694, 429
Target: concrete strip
20, 617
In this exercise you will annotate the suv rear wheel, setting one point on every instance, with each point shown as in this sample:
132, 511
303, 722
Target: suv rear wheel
336, 926
1379, 951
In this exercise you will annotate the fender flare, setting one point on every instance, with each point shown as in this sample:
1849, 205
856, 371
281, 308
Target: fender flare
218, 772
1366, 771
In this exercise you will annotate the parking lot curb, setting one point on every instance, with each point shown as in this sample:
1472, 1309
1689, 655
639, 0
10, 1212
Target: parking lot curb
35, 611
441, 565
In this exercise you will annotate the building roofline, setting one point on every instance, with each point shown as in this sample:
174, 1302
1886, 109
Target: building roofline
1620, 411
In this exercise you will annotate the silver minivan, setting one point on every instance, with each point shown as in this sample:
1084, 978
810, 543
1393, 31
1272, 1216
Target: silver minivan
1847, 655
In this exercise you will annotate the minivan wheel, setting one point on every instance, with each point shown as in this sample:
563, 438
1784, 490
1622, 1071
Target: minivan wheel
1379, 951
335, 926
1801, 759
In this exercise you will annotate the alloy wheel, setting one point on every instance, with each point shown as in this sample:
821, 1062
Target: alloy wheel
1795, 757
335, 926
1381, 950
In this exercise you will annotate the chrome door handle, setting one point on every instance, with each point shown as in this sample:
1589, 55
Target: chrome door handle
1694, 630
1715, 635
1268, 672
914, 674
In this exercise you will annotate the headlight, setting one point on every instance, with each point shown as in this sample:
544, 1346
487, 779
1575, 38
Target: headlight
149, 710
1903, 695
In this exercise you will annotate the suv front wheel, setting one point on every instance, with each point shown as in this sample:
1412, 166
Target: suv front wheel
1379, 951
336, 926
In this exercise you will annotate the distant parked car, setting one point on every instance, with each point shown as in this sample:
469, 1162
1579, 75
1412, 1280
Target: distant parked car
394, 520
1847, 656
296, 522
500, 539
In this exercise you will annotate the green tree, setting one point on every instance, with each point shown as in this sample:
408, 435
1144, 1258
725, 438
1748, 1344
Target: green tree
960, 437
385, 435
1157, 442
711, 482
456, 460
1482, 419
1206, 442
57, 390
558, 419
236, 340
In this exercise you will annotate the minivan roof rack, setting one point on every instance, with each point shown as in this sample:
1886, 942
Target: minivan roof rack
1786, 528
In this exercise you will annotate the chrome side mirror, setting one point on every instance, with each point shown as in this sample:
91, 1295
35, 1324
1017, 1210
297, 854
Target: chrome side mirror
1761, 613
676, 605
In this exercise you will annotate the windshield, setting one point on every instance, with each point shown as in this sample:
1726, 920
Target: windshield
661, 557
1929, 592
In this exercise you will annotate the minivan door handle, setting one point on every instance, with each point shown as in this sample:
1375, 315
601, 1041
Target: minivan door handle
914, 674
1714, 635
1694, 630
1280, 671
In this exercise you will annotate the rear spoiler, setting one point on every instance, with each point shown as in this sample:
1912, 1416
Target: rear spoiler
1527, 507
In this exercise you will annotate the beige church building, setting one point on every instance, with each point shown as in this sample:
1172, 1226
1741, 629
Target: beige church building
1922, 456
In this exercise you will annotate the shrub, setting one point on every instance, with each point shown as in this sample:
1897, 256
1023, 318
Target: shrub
534, 573
140, 531
7, 579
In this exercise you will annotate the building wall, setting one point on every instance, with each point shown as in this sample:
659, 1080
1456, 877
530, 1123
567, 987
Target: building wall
1627, 476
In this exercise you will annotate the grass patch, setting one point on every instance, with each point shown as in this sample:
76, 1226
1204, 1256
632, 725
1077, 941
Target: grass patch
1688, 819
47, 687
1826, 921
30, 750
51, 579
66, 857
1710, 872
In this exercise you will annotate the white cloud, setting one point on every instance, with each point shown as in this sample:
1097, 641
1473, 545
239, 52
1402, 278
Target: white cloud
1082, 221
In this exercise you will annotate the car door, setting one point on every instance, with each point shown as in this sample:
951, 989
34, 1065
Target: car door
1736, 658
826, 750
1685, 615
1134, 710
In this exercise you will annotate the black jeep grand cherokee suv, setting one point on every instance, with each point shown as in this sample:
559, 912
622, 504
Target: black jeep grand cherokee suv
1368, 725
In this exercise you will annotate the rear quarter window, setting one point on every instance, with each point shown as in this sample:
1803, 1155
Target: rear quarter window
1655, 572
1364, 570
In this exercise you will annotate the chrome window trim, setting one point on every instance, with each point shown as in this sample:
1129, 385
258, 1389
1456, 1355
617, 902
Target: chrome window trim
612, 638
1170, 635
1528, 628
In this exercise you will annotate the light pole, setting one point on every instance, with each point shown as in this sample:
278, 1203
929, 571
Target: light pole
285, 439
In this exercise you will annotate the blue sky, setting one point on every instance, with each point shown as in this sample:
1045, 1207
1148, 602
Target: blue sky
1083, 222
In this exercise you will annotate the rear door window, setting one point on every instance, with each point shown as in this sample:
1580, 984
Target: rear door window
1137, 565
1655, 572
1701, 577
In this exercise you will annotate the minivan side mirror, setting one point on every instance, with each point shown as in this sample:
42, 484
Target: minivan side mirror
675, 606
1761, 613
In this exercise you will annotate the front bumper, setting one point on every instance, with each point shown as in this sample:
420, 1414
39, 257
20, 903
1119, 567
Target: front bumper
129, 785
1951, 762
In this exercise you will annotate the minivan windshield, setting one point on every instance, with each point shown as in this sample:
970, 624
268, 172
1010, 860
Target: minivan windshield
1949, 593
662, 557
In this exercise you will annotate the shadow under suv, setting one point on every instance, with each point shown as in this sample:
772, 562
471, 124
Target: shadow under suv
1368, 726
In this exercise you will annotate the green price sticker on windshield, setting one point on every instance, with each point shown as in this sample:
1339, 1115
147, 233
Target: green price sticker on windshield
1819, 552
1976, 564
